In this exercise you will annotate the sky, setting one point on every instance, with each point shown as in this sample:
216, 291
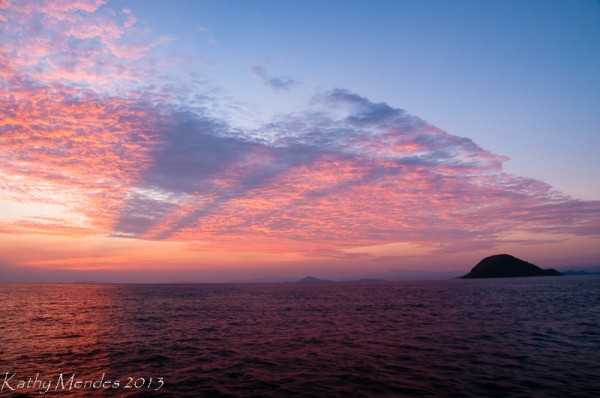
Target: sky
231, 141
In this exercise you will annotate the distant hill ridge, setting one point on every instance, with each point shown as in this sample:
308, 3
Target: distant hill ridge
312, 279
575, 272
507, 266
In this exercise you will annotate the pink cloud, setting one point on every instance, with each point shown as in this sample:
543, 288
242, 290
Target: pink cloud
77, 42
353, 174
72, 148
135, 161
424, 186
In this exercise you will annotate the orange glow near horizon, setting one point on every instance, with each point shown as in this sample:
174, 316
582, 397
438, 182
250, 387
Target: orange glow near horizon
172, 261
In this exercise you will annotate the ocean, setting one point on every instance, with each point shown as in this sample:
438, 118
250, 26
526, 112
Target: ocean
519, 337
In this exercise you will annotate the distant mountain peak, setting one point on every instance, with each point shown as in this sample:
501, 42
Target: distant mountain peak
507, 266
311, 279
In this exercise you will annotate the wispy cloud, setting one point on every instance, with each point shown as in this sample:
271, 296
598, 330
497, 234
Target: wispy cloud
276, 84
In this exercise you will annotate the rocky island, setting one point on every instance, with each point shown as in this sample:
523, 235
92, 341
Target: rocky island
507, 266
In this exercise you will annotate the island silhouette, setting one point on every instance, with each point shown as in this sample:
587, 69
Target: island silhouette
312, 279
507, 266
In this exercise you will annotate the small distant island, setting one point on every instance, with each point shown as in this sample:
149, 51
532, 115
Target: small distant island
507, 266
312, 279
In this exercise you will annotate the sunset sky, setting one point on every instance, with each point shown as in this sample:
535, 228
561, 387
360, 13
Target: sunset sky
215, 141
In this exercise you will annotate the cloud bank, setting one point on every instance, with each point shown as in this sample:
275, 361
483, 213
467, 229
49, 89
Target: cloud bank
88, 127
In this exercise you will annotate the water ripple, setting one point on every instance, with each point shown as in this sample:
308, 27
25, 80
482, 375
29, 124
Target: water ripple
464, 338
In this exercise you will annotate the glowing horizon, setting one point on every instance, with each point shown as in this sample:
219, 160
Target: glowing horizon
114, 157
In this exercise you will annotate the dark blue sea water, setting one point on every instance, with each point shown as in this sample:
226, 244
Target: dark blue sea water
524, 337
